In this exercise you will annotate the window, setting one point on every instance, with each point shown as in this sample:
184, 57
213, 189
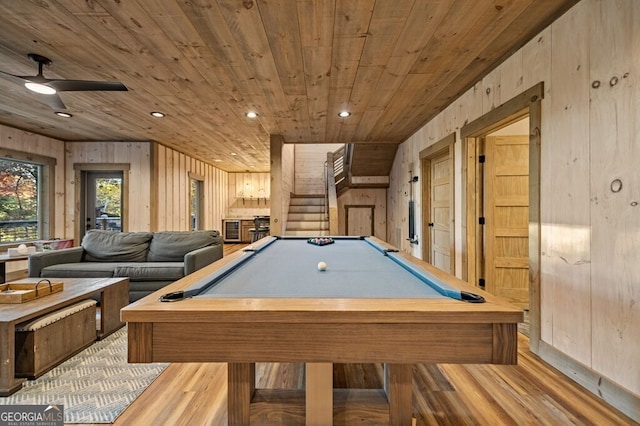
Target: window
102, 196
24, 189
196, 202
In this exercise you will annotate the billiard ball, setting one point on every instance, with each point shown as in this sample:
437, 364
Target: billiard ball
322, 266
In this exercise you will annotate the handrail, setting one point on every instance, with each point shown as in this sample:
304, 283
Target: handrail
325, 207
342, 165
348, 155
331, 195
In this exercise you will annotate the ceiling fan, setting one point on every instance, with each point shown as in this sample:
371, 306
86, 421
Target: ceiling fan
50, 87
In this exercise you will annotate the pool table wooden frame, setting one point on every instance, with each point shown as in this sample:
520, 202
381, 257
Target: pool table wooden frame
319, 332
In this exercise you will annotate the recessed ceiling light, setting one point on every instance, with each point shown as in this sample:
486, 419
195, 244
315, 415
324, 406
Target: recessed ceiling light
344, 114
63, 114
233, 154
251, 114
40, 88
157, 114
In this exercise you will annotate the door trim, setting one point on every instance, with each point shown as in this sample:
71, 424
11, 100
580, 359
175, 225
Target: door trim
79, 169
359, 206
445, 145
527, 103
199, 179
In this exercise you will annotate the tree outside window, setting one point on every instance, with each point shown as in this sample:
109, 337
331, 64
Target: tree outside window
19, 200
109, 196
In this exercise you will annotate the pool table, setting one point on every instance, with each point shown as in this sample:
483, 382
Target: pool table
372, 304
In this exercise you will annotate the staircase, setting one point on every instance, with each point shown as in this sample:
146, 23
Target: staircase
307, 216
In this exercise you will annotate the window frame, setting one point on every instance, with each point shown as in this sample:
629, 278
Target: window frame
199, 181
80, 171
46, 191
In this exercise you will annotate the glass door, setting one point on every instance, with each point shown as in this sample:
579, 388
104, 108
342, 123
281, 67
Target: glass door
196, 204
102, 200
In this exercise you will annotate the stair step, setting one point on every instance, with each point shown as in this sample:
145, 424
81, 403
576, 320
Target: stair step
306, 209
307, 195
307, 216
313, 216
308, 224
316, 201
306, 233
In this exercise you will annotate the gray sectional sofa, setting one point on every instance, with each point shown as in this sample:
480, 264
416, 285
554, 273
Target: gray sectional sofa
150, 260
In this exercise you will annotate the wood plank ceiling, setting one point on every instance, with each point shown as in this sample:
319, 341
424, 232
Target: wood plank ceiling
205, 63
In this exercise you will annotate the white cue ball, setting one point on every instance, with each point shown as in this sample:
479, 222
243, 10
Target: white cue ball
322, 266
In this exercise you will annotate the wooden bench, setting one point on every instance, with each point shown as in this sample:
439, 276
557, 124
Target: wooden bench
47, 341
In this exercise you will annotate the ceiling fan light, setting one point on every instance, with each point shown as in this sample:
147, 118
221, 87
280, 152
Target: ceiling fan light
40, 88
63, 114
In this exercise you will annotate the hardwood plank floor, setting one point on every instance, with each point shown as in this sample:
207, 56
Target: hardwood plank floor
529, 393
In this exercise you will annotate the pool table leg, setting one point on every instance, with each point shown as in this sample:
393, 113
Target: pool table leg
241, 382
319, 393
398, 385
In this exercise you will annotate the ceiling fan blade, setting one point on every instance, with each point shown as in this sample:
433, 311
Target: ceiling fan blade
15, 78
84, 85
53, 101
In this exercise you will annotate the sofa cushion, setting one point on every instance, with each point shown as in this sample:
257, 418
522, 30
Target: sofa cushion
171, 246
79, 270
150, 271
110, 246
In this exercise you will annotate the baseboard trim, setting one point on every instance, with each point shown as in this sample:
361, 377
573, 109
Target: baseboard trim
622, 399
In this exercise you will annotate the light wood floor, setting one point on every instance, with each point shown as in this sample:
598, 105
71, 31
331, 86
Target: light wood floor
529, 393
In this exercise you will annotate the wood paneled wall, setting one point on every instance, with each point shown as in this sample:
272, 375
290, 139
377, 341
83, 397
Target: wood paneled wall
309, 169
172, 171
281, 172
19, 140
136, 154
376, 197
158, 184
249, 194
590, 202
300, 169
288, 158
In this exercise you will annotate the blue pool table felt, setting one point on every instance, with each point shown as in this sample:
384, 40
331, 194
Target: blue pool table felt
289, 268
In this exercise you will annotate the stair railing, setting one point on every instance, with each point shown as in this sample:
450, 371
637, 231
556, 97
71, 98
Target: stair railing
325, 178
331, 195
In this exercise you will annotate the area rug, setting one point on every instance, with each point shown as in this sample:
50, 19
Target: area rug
95, 386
